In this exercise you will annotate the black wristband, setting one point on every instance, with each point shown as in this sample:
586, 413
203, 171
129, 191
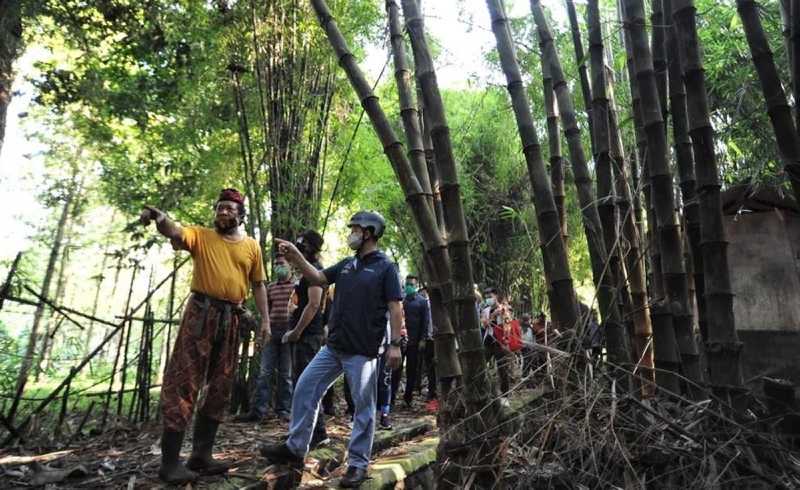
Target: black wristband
395, 342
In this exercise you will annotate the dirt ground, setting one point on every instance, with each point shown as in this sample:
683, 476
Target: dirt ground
128, 456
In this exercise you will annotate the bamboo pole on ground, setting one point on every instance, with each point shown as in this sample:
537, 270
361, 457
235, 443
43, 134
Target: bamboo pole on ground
723, 348
675, 280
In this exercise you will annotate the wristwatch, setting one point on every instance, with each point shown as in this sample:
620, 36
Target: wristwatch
395, 342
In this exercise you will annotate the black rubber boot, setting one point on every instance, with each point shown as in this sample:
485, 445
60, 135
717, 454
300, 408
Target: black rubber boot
172, 470
205, 432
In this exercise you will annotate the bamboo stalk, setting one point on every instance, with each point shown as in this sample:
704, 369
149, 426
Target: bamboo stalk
463, 313
447, 359
602, 270
610, 156
665, 348
685, 159
415, 197
675, 280
554, 145
723, 349
580, 61
554, 254
780, 114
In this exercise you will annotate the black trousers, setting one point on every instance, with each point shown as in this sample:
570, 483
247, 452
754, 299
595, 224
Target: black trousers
304, 351
429, 357
413, 369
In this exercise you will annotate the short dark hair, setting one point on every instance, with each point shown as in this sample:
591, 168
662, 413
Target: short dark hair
313, 239
279, 256
412, 276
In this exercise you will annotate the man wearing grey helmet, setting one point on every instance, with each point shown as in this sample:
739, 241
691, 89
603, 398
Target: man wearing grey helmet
367, 287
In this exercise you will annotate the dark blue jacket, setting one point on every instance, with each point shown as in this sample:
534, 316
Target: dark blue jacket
364, 287
418, 318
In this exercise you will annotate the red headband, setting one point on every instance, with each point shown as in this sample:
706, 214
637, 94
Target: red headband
231, 195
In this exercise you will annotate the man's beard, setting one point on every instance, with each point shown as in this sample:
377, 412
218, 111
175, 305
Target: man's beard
226, 226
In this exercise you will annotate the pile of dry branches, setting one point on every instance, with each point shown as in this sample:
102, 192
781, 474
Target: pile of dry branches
584, 432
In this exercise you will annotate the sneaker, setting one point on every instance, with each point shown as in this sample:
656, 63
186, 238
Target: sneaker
432, 406
354, 477
384, 423
280, 454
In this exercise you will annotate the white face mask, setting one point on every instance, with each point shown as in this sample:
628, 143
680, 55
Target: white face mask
489, 301
355, 240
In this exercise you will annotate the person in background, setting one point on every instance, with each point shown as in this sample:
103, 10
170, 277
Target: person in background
528, 352
417, 314
307, 334
496, 318
429, 359
276, 357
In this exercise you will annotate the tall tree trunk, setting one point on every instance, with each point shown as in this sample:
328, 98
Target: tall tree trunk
675, 280
10, 47
483, 427
658, 49
639, 156
53, 322
554, 255
685, 158
465, 317
554, 145
665, 347
87, 345
603, 274
794, 63
723, 349
441, 288
608, 161
580, 61
780, 115
415, 197
33, 336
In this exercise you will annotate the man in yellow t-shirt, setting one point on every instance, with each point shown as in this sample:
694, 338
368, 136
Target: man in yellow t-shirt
227, 263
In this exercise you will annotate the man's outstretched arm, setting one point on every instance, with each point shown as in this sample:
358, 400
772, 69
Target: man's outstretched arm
164, 225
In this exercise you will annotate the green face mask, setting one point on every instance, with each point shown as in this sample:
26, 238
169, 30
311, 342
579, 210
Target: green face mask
410, 289
282, 272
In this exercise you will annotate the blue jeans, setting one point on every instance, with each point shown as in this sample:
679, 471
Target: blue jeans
318, 376
275, 356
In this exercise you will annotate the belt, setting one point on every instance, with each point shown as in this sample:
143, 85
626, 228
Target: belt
226, 309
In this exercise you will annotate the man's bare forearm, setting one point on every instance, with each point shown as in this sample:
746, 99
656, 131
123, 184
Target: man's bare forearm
311, 308
260, 295
169, 228
395, 318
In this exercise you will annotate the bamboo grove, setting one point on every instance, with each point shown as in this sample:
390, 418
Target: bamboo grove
633, 152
